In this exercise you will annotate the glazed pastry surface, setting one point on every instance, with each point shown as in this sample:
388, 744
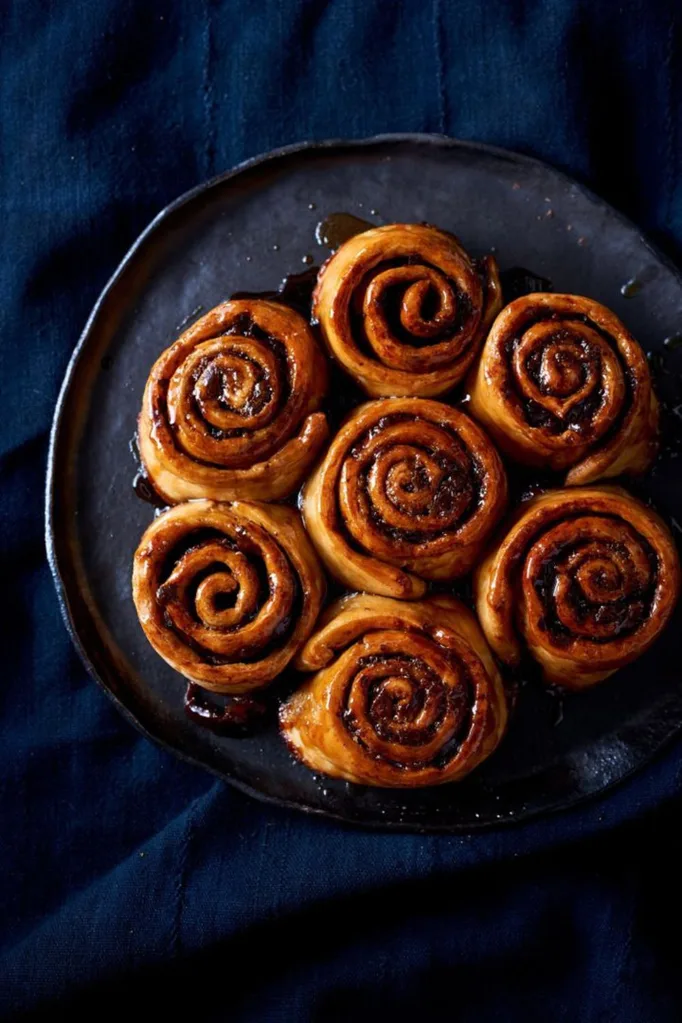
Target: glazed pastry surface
561, 384
586, 578
409, 490
230, 410
400, 687
405, 310
227, 594
403, 695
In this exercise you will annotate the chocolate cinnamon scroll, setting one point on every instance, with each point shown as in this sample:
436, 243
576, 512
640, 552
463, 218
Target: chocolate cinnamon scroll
230, 409
405, 310
408, 491
561, 384
586, 578
227, 594
403, 695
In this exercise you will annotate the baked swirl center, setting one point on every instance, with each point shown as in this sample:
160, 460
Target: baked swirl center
570, 373
593, 576
409, 305
235, 389
407, 709
212, 597
406, 482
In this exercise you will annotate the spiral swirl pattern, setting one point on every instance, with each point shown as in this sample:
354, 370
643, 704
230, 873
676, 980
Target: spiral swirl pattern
409, 490
590, 576
227, 593
404, 309
562, 384
404, 695
229, 409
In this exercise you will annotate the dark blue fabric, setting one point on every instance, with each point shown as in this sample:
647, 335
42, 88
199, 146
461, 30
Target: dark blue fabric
126, 874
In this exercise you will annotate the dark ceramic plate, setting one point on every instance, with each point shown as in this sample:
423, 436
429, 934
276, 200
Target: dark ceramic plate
245, 231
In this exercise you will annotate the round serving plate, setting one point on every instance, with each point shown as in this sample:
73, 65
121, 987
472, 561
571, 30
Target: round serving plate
245, 231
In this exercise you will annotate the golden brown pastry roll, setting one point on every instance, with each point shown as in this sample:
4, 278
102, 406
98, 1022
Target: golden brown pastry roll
404, 695
409, 490
405, 310
586, 578
561, 384
229, 410
227, 594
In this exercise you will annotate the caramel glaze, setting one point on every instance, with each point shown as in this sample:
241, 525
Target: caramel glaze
338, 228
585, 578
403, 694
294, 290
230, 715
144, 489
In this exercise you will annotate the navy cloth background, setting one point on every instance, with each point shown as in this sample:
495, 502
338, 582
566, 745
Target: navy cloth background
123, 872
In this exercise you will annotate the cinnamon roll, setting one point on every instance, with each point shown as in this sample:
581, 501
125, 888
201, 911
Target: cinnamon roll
409, 490
404, 309
227, 594
563, 385
229, 410
404, 695
586, 578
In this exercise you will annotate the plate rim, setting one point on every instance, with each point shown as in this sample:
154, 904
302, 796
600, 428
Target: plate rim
52, 486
